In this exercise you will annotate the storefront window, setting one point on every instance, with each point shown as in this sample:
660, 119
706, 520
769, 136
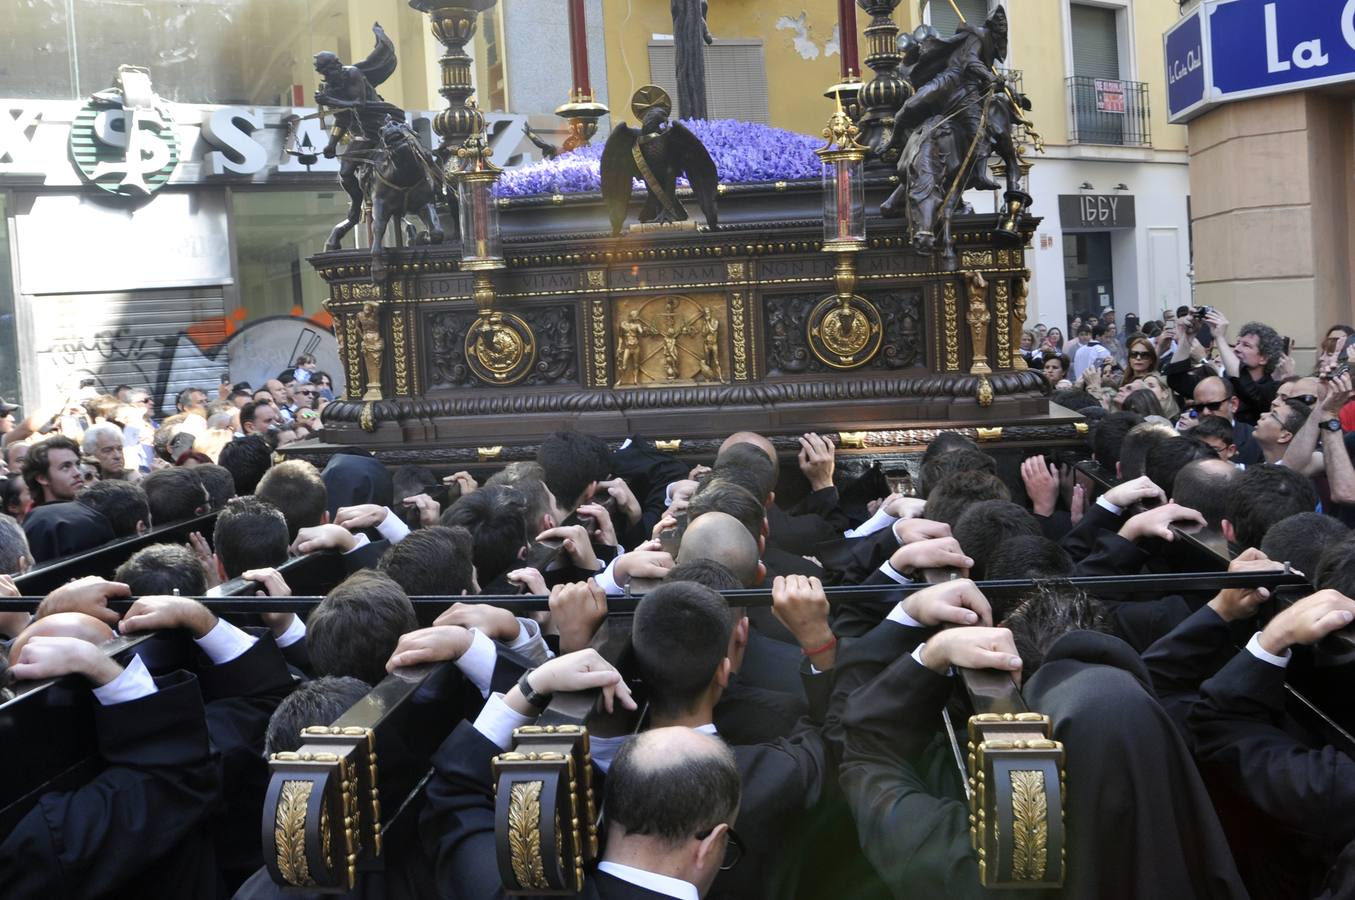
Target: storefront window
9, 343
198, 51
275, 231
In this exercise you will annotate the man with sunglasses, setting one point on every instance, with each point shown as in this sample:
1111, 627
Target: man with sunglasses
1213, 396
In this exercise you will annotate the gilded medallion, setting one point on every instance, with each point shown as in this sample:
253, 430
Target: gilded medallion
844, 332
500, 348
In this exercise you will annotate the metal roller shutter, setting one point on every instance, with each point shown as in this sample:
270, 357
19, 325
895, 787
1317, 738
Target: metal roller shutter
736, 78
945, 21
1096, 49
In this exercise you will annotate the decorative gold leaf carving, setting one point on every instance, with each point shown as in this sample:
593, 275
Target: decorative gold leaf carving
1030, 825
289, 832
952, 327
524, 835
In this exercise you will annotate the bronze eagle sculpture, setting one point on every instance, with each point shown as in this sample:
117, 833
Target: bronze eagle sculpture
657, 154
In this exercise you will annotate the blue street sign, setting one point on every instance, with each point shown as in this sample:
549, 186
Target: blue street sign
1233, 49
1184, 54
1269, 46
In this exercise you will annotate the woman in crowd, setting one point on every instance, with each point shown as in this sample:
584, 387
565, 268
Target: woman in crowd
1142, 373
1056, 368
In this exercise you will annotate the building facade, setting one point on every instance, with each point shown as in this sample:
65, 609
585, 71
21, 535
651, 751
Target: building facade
1267, 90
205, 276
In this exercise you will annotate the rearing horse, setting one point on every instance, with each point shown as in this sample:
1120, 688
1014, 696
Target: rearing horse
401, 178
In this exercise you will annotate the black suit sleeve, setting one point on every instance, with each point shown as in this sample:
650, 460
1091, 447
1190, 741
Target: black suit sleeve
1082, 539
917, 841
457, 825
160, 786
1180, 661
365, 557
1237, 725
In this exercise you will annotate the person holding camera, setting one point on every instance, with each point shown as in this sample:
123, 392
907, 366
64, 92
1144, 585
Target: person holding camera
1249, 364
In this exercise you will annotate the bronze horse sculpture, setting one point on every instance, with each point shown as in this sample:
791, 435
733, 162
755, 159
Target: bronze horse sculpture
402, 178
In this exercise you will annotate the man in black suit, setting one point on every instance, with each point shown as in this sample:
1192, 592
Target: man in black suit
680, 640
1238, 728
671, 798
136, 829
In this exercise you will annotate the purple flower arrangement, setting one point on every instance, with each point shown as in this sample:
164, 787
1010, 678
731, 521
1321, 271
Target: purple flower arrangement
744, 153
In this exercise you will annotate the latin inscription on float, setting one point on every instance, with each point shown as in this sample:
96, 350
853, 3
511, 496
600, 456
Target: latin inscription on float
647, 276
782, 269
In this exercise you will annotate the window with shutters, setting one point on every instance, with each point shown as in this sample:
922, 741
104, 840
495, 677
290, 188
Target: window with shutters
736, 78
1106, 107
942, 15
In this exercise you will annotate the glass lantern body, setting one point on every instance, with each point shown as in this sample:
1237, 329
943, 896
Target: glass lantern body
844, 201
479, 215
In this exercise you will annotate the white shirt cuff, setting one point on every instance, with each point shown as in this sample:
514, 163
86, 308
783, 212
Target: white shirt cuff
295, 632
1255, 649
134, 683
530, 644
477, 663
497, 721
1108, 506
392, 528
917, 658
224, 642
668, 494
607, 582
878, 521
360, 541
898, 614
892, 573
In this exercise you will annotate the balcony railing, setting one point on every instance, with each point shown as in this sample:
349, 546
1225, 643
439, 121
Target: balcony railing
1109, 111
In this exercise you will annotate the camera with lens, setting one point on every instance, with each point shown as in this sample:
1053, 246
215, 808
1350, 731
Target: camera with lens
1201, 311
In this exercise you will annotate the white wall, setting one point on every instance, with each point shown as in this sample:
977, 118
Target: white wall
1150, 262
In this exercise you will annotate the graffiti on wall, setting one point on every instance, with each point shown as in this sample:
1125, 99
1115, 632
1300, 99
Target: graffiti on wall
201, 355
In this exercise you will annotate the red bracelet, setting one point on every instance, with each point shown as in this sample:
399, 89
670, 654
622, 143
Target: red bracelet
817, 650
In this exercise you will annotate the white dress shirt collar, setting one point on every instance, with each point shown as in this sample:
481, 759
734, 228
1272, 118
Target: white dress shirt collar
652, 881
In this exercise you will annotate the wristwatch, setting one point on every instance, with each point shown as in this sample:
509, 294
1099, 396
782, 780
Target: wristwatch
540, 701
1330, 425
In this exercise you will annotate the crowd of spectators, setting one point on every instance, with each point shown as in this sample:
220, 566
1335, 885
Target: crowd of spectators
796, 750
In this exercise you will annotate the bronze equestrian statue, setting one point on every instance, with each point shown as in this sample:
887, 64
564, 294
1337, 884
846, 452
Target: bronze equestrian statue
960, 114
384, 163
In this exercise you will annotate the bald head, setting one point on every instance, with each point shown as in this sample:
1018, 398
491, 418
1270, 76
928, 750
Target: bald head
67, 624
757, 440
721, 537
671, 784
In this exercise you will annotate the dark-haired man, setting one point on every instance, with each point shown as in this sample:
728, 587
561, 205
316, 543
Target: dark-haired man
672, 798
52, 470
680, 639
1214, 396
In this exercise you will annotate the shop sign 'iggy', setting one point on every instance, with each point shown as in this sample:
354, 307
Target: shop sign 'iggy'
123, 139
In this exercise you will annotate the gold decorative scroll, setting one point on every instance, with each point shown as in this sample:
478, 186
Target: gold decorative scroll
524, 835
599, 322
974, 258
289, 833
1030, 825
736, 323
952, 327
735, 271
1004, 344
398, 338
